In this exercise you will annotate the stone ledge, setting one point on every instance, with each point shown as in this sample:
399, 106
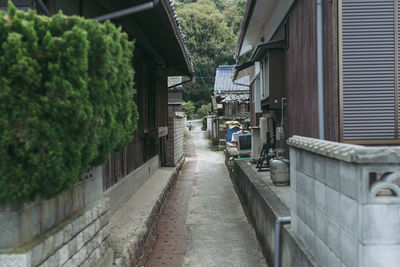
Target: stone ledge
347, 152
264, 206
132, 225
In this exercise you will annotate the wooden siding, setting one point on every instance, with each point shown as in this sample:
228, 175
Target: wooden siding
301, 70
331, 70
301, 88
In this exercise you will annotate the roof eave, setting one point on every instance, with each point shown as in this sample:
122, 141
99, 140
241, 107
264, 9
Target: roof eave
179, 35
262, 48
248, 12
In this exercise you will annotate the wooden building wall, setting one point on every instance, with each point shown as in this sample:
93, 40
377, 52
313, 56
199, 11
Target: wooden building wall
301, 90
301, 69
331, 70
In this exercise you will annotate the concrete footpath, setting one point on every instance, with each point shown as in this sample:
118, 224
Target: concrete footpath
203, 219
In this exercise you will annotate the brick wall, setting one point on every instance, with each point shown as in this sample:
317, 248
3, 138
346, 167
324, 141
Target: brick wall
176, 130
345, 202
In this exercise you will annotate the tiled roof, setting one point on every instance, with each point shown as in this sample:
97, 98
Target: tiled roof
178, 31
223, 81
240, 98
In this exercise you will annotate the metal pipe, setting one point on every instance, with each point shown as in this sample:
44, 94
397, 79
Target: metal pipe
242, 84
320, 62
43, 7
178, 84
283, 108
277, 250
128, 11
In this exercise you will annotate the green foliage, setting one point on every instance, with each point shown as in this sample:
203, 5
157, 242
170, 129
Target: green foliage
211, 28
198, 93
209, 39
214, 141
189, 109
66, 100
204, 110
218, 148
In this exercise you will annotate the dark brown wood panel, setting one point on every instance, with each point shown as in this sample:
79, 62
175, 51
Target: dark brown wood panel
331, 70
301, 69
161, 97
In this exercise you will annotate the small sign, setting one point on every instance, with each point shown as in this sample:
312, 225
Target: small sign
162, 131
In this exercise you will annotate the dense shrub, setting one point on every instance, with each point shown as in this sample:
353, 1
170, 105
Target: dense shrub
66, 100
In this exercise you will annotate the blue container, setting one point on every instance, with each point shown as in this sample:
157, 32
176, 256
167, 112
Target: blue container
230, 131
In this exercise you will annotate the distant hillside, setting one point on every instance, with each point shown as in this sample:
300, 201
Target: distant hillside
211, 28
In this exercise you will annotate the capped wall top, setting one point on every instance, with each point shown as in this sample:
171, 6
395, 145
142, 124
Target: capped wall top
347, 152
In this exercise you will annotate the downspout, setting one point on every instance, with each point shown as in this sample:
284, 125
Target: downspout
277, 250
43, 8
179, 84
128, 11
320, 66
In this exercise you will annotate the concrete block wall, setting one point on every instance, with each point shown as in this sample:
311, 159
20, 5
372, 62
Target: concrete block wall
121, 192
176, 131
82, 240
24, 222
345, 202
263, 206
210, 120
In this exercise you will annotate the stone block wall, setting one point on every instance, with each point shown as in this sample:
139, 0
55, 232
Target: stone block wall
81, 240
21, 223
176, 130
210, 120
345, 202
70, 229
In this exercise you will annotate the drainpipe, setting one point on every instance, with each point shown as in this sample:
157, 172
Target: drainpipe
43, 7
128, 11
277, 250
179, 84
320, 64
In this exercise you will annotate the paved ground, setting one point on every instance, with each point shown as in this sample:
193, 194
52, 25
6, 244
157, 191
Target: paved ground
203, 223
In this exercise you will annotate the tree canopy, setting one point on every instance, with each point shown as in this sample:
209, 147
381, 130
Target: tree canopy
211, 27
209, 39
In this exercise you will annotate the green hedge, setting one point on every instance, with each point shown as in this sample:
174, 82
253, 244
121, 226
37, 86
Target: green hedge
66, 100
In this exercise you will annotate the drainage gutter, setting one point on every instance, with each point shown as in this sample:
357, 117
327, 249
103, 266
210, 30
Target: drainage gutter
277, 250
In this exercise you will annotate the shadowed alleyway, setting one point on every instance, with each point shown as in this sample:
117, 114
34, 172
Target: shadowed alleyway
203, 223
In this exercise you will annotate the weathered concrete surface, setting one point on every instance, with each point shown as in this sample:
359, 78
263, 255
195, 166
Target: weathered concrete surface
264, 203
218, 233
79, 241
121, 192
23, 223
346, 202
132, 225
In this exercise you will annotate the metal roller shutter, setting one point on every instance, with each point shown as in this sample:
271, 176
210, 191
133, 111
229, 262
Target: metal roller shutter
368, 47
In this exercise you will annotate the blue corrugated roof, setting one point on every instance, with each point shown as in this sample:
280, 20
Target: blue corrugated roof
223, 80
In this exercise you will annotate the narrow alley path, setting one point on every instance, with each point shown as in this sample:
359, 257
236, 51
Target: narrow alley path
203, 223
